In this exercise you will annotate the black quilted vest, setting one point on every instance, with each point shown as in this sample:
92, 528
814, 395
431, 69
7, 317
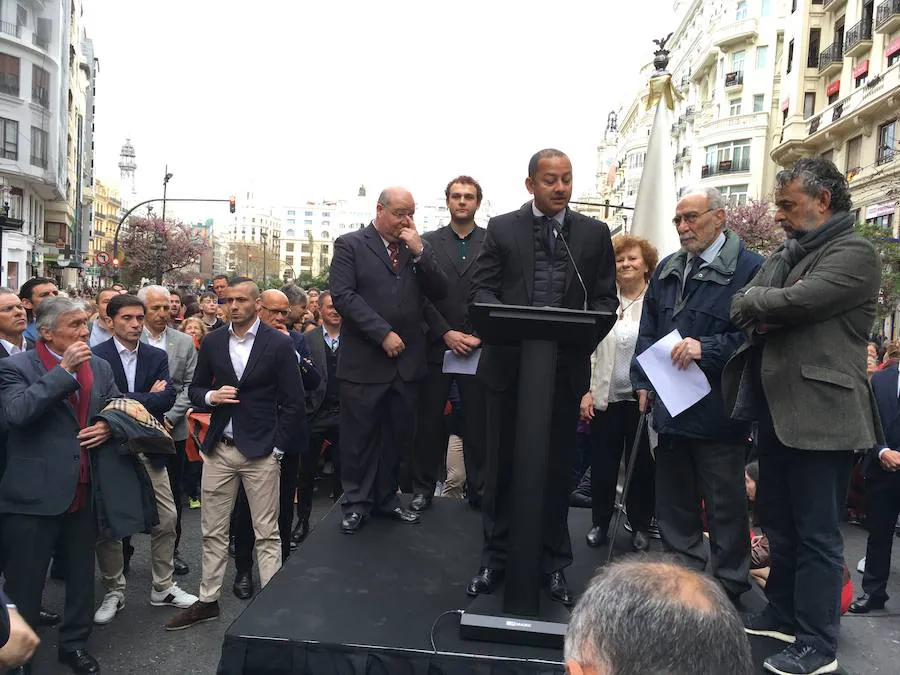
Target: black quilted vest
549, 268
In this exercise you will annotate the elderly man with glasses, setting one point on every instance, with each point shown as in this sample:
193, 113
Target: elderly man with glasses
700, 457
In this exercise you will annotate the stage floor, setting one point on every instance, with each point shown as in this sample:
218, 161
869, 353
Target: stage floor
365, 604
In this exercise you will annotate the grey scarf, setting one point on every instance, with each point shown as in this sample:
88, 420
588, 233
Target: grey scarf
792, 251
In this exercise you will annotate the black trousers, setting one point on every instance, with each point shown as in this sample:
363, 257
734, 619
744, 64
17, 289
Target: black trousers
612, 433
28, 544
242, 520
175, 468
376, 429
324, 430
432, 433
690, 471
800, 499
883, 507
502, 408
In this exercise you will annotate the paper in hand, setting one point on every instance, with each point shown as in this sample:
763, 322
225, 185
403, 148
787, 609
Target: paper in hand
677, 389
461, 365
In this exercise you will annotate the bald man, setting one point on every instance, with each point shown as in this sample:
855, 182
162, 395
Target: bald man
380, 276
273, 308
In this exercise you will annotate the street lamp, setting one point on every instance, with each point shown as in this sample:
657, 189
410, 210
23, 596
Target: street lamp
264, 236
166, 180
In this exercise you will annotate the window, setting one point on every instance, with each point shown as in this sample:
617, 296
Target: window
40, 86
737, 61
815, 41
21, 16
307, 213
289, 247
790, 57
762, 55
740, 13
636, 160
727, 158
326, 223
10, 141
324, 235
9, 75
291, 212
289, 234
326, 214
759, 100
861, 80
834, 97
854, 146
291, 221
885, 221
766, 7
307, 222
734, 107
809, 104
735, 194
887, 142
289, 260
893, 59
38, 147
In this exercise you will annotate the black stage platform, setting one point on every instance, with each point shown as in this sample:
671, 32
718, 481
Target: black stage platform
365, 604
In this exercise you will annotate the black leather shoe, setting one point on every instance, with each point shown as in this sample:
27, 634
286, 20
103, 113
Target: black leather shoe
48, 618
180, 567
486, 581
420, 502
865, 604
640, 542
243, 585
299, 533
80, 661
352, 523
400, 514
596, 537
580, 500
559, 589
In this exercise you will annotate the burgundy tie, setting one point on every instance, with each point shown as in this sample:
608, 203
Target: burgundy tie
394, 254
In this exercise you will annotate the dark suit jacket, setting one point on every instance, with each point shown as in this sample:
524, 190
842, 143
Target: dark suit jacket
152, 365
504, 274
43, 452
452, 312
373, 301
884, 385
271, 412
311, 375
317, 347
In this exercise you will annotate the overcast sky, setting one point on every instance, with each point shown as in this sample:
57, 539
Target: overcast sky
308, 100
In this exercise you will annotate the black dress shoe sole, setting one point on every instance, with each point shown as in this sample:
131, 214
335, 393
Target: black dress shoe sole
242, 595
871, 607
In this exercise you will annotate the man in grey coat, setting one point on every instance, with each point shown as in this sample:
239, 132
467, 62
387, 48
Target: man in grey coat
802, 375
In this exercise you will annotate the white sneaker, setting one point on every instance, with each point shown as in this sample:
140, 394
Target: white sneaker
861, 565
174, 597
112, 603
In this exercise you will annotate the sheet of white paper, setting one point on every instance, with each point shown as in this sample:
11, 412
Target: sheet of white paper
677, 389
461, 365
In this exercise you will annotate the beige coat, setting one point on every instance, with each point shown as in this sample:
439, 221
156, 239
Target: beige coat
603, 358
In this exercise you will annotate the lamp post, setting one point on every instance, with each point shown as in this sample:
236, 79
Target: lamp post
166, 180
264, 236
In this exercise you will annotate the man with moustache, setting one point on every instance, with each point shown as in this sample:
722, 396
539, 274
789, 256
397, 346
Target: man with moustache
380, 276
456, 247
701, 452
524, 261
801, 374
176, 309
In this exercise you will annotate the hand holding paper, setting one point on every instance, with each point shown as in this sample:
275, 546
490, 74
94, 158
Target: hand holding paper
677, 388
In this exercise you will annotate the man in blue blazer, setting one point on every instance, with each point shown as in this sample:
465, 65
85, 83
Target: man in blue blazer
247, 372
882, 472
141, 372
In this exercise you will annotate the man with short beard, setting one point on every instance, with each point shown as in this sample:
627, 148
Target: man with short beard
802, 375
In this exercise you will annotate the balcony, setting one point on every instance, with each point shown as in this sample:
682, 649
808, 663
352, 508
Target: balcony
726, 166
735, 123
735, 34
706, 59
682, 157
831, 59
858, 39
13, 29
887, 16
734, 81
833, 5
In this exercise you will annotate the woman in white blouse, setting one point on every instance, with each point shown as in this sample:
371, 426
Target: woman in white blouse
611, 406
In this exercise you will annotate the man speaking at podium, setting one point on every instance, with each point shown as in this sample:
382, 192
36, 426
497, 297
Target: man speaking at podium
526, 260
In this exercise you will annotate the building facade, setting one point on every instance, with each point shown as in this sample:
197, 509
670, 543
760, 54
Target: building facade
841, 97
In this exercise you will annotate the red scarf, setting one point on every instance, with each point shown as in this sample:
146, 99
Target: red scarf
81, 402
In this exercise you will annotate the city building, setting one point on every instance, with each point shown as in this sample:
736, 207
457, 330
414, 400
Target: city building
841, 97
724, 58
107, 207
252, 239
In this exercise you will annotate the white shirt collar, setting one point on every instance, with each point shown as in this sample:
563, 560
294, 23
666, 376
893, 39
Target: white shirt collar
9, 346
122, 349
559, 217
251, 331
151, 336
711, 251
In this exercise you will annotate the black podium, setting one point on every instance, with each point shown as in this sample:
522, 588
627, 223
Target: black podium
524, 613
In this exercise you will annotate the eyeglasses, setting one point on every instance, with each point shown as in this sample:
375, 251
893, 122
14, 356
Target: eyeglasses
282, 312
400, 214
689, 218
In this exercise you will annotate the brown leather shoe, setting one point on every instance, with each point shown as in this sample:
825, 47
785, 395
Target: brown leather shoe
196, 613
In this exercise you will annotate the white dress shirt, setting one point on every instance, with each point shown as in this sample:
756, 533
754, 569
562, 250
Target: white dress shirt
98, 333
128, 357
153, 341
239, 349
13, 349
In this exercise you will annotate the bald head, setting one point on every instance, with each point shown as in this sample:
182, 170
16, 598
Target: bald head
395, 210
273, 308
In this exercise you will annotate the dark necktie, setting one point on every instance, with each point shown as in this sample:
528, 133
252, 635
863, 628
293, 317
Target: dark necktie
689, 282
394, 254
549, 228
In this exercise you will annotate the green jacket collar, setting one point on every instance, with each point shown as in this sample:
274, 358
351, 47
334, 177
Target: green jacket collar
720, 270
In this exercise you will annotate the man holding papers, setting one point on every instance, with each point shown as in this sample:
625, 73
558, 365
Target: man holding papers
700, 458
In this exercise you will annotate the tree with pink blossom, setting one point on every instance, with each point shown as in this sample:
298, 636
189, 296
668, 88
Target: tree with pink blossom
754, 224
153, 248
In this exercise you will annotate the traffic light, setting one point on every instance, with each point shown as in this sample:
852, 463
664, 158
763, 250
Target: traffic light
231, 201
115, 262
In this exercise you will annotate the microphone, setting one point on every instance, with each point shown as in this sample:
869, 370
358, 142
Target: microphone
558, 230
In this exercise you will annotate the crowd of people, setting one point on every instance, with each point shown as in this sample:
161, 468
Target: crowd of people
281, 390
